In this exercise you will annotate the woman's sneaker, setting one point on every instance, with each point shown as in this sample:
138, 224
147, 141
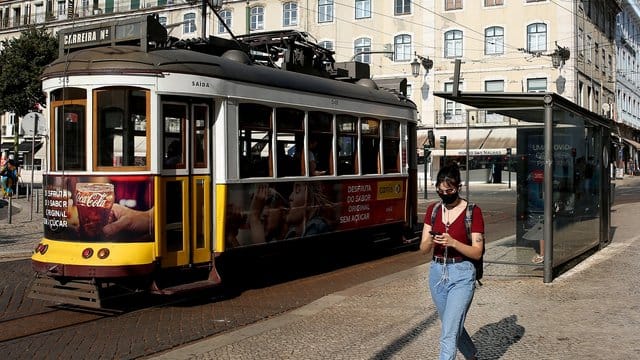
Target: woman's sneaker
538, 259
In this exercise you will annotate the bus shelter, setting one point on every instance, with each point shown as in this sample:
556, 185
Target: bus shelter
561, 149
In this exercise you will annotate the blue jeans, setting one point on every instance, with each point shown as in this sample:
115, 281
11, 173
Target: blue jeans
452, 287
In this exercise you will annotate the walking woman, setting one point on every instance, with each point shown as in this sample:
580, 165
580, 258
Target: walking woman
451, 273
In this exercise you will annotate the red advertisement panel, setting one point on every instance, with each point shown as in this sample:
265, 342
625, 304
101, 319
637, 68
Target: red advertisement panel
265, 212
98, 208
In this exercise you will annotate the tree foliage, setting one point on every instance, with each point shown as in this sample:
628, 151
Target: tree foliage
21, 63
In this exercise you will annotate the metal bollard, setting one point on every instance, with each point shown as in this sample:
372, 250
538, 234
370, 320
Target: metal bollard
10, 207
37, 201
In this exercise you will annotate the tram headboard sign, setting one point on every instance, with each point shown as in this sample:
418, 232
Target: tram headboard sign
138, 31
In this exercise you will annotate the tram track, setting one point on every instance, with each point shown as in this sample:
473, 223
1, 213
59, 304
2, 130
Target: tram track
33, 324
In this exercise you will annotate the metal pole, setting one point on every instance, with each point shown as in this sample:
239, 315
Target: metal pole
467, 149
248, 18
204, 19
10, 208
425, 163
509, 166
548, 189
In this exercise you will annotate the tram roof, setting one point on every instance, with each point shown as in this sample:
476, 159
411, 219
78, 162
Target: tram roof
118, 60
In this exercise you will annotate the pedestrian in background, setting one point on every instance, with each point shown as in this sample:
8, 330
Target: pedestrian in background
451, 273
9, 177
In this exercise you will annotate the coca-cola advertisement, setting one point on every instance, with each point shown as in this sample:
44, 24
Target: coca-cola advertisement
99, 208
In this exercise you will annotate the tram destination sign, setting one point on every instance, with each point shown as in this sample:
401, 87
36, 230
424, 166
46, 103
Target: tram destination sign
137, 31
83, 38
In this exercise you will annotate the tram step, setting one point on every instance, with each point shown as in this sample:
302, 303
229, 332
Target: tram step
185, 288
81, 293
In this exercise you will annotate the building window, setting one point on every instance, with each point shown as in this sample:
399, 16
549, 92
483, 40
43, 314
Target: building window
581, 42
537, 37
225, 17
494, 86
189, 25
402, 7
453, 44
135, 4
494, 41
537, 85
489, 3
452, 4
362, 48
290, 14
327, 44
257, 18
325, 11
363, 9
452, 109
402, 49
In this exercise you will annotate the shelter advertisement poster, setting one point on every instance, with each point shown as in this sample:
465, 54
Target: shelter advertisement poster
98, 208
265, 212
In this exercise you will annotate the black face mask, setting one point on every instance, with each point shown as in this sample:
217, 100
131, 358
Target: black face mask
448, 198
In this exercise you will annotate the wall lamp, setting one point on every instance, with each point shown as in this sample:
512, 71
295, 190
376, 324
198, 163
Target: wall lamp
418, 60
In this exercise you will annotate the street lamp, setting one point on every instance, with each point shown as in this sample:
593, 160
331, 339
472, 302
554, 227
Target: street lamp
559, 56
418, 60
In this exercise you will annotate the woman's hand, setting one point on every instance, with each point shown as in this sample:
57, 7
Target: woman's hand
445, 240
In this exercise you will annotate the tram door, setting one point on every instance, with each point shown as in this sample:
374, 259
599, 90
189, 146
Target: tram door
185, 185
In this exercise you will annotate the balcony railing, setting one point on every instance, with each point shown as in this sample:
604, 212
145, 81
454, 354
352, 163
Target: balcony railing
119, 6
477, 118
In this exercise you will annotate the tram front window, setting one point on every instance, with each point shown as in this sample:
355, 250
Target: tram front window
121, 123
69, 106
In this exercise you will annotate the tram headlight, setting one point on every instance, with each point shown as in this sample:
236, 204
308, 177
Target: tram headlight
103, 253
87, 253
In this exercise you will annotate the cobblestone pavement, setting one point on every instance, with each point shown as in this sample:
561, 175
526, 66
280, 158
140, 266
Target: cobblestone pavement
19, 237
592, 311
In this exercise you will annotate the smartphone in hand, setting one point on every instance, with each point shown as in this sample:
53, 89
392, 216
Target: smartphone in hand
434, 233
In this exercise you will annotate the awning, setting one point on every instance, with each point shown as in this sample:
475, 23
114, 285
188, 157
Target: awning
635, 144
482, 141
26, 146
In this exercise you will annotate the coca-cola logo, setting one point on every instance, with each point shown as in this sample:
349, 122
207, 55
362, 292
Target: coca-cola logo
92, 199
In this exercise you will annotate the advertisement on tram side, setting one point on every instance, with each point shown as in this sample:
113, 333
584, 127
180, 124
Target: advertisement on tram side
98, 208
265, 212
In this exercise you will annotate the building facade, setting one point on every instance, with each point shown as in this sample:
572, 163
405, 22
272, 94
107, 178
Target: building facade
529, 45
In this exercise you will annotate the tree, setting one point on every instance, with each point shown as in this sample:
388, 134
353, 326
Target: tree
21, 63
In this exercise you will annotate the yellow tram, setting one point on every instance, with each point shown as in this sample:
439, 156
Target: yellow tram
166, 154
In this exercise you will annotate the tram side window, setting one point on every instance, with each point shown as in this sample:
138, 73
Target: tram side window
320, 143
370, 146
391, 146
173, 142
69, 106
255, 140
121, 123
347, 144
289, 142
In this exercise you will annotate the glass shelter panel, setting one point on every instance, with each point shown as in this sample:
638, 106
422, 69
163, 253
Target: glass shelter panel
576, 198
